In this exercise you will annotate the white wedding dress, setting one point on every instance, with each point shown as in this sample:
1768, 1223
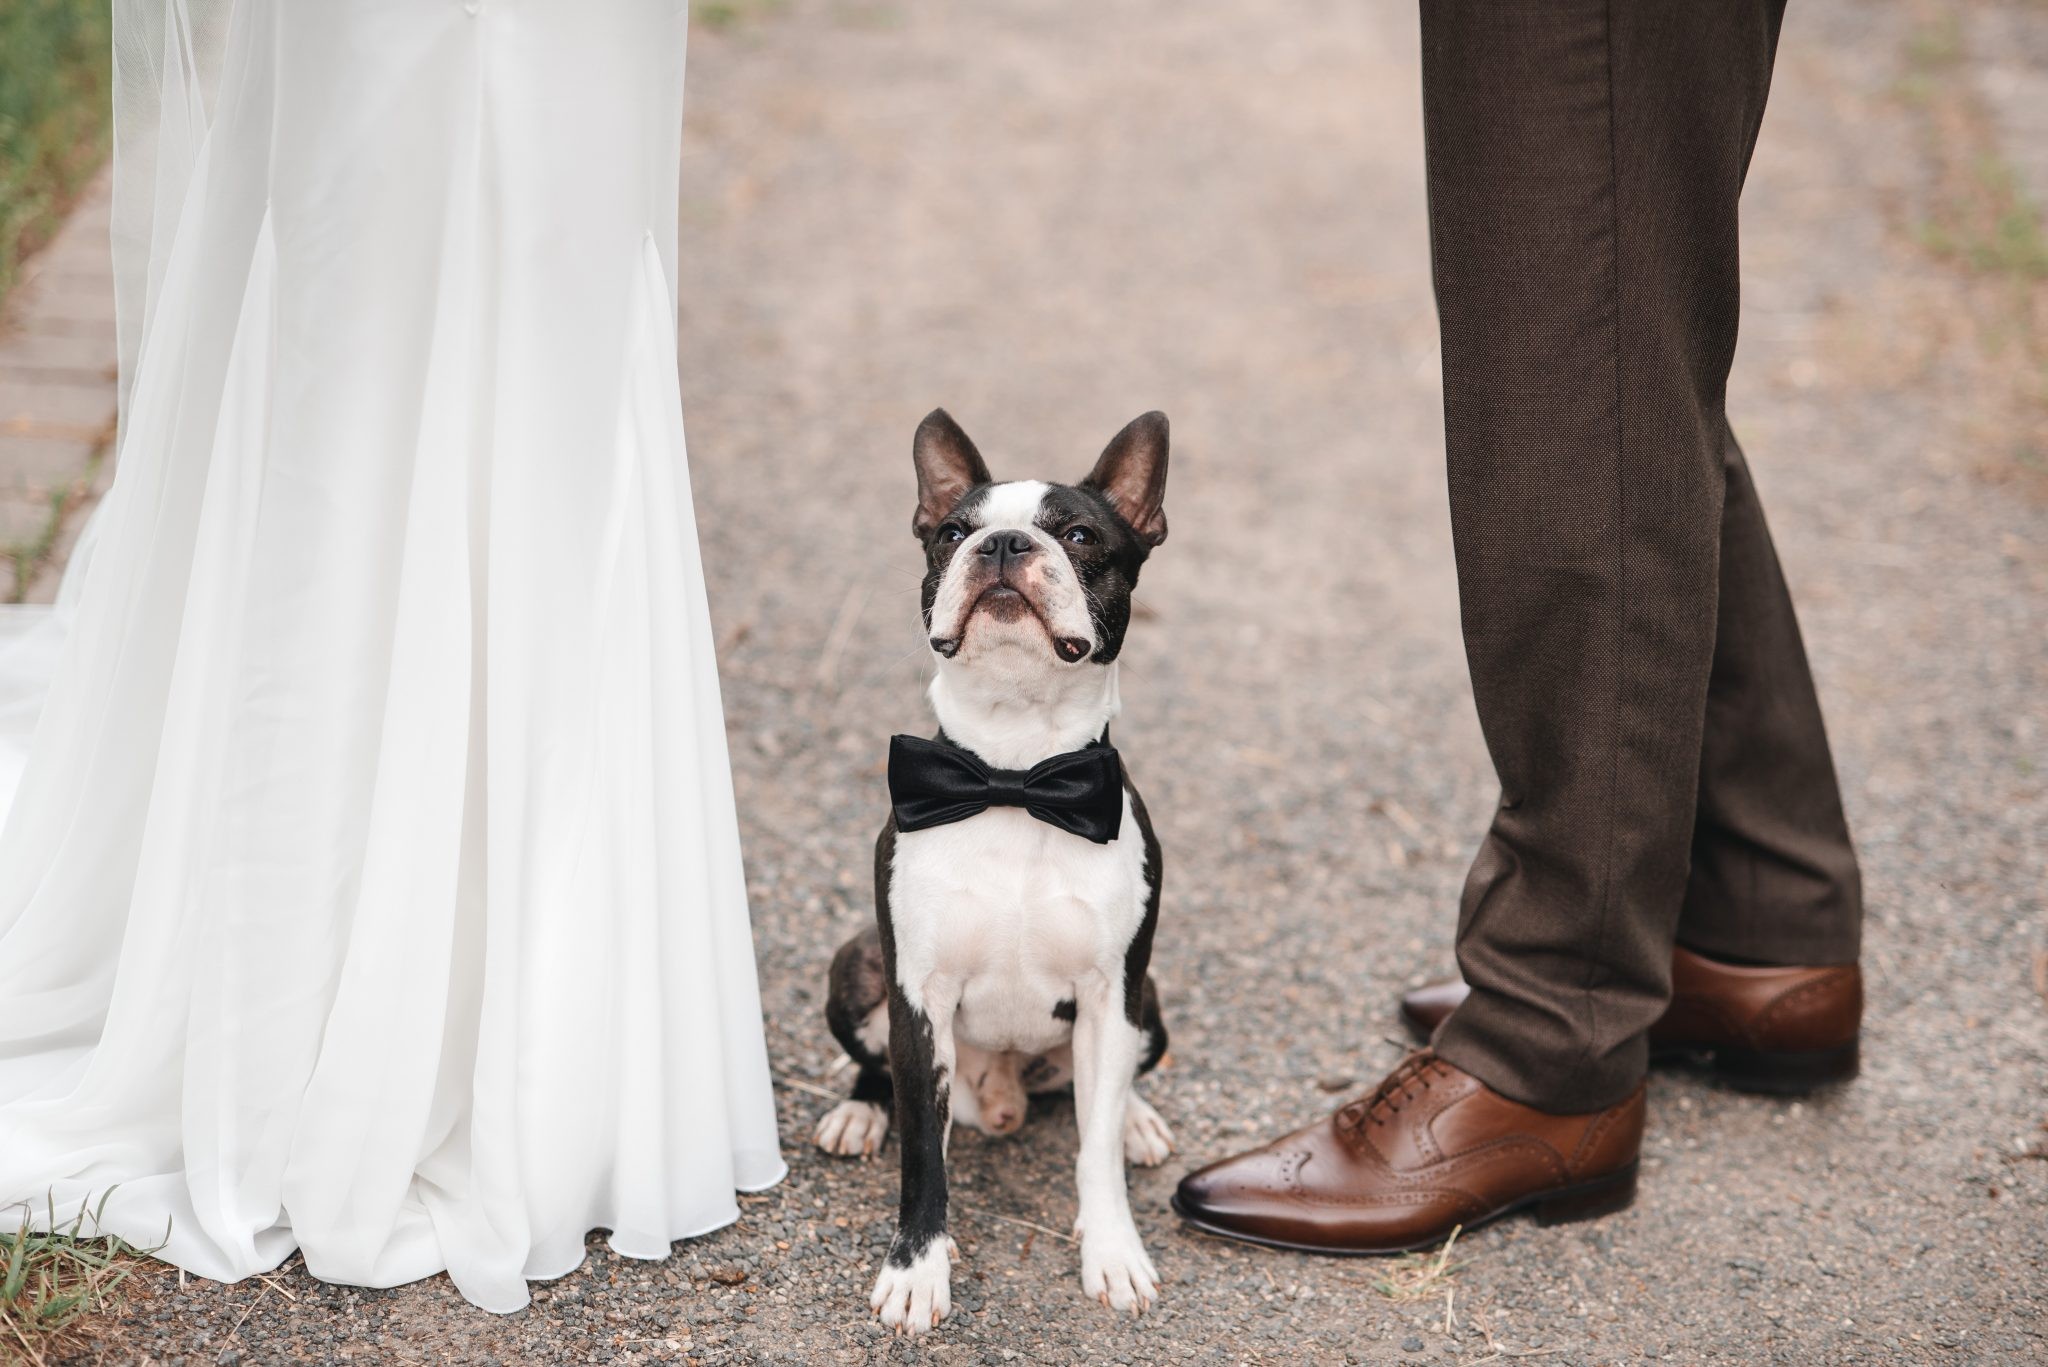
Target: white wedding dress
372, 886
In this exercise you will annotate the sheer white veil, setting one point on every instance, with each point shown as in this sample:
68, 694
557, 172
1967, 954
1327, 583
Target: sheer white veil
167, 59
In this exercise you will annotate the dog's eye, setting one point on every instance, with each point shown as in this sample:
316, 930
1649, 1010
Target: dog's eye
1079, 535
951, 532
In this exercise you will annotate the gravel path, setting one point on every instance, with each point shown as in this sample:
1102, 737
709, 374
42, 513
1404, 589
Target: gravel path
1050, 224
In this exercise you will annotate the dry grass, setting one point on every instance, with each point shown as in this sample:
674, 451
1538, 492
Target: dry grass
1497, 1352
1424, 1276
1419, 1276
52, 1282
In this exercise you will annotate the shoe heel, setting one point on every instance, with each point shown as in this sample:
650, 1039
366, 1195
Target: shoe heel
1783, 1073
1589, 1200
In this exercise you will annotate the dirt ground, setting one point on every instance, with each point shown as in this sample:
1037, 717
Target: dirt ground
1050, 218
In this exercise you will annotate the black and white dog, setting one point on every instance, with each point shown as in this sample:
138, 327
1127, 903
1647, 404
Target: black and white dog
1017, 880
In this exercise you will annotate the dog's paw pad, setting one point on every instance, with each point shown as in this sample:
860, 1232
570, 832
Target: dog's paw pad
1147, 1140
853, 1129
1116, 1271
913, 1299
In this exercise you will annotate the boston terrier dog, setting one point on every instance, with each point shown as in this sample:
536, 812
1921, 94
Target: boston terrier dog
1017, 880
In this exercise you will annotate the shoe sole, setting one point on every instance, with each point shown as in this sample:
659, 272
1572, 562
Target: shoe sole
1561, 1206
1768, 1072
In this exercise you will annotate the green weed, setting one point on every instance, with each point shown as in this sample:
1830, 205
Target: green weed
50, 1281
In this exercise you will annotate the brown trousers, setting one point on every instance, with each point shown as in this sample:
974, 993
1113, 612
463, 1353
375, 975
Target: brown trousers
1637, 666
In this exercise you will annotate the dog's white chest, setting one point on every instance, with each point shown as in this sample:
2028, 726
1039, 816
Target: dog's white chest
1012, 913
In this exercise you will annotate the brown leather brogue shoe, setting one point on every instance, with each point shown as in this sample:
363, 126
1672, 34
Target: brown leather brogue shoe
1430, 1150
1759, 1028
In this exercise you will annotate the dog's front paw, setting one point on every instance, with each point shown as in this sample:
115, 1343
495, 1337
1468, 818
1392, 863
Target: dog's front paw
1116, 1271
853, 1129
1147, 1141
914, 1297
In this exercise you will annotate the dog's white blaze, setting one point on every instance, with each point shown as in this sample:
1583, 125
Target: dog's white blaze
1014, 504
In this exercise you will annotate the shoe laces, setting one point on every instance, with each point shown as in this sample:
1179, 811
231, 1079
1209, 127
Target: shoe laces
1415, 1075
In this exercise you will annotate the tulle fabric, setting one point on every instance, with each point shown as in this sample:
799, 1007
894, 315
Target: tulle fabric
372, 883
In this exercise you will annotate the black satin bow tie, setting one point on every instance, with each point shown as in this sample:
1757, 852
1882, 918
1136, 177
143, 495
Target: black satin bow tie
934, 783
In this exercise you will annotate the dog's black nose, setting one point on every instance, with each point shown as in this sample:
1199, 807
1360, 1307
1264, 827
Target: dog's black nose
1003, 547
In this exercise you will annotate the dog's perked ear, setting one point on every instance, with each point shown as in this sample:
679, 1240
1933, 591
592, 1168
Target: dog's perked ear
1132, 473
947, 467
